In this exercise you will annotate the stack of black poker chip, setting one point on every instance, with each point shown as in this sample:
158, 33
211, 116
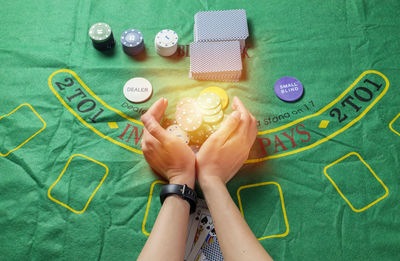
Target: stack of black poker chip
101, 36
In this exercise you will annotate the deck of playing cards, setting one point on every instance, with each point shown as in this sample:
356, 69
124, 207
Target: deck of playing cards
219, 40
217, 61
202, 243
222, 25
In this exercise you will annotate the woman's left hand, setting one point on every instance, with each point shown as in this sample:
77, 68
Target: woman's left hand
168, 155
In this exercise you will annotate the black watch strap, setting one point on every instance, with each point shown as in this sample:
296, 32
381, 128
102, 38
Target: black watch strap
183, 191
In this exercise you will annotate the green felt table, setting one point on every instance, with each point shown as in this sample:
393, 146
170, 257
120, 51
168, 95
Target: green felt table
322, 179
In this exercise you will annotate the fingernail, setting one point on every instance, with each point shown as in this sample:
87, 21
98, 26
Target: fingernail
235, 102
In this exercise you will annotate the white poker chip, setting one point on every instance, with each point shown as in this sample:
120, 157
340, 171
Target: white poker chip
166, 42
138, 90
188, 116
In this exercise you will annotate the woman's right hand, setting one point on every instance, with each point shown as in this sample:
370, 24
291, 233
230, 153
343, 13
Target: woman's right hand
225, 151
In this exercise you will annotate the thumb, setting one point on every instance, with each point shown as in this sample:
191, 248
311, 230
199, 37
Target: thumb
156, 110
226, 129
155, 129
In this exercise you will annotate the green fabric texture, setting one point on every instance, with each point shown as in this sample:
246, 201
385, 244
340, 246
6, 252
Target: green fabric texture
73, 188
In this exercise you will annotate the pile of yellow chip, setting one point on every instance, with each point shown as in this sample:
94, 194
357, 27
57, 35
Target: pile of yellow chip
197, 118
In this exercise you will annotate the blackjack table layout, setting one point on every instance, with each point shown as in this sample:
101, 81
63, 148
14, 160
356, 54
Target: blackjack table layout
322, 179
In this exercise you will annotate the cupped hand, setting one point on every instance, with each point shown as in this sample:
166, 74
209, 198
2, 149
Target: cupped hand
168, 155
225, 151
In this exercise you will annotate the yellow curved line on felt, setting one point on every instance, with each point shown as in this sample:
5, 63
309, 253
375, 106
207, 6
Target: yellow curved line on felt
391, 123
40, 118
340, 192
148, 206
282, 204
98, 99
91, 196
348, 125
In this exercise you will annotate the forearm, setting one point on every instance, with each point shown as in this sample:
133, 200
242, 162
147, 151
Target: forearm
168, 236
236, 240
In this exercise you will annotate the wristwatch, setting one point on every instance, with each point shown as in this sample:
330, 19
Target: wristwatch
183, 191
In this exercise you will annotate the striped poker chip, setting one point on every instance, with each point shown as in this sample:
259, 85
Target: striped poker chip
131, 38
100, 32
216, 126
178, 132
132, 41
188, 116
211, 112
214, 118
208, 100
200, 135
101, 36
166, 42
220, 92
185, 101
196, 139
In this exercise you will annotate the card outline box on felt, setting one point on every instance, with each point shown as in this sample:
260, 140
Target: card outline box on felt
282, 205
341, 193
93, 193
148, 205
391, 125
36, 133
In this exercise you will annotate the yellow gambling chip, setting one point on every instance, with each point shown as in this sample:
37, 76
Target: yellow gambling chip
213, 119
220, 92
208, 100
